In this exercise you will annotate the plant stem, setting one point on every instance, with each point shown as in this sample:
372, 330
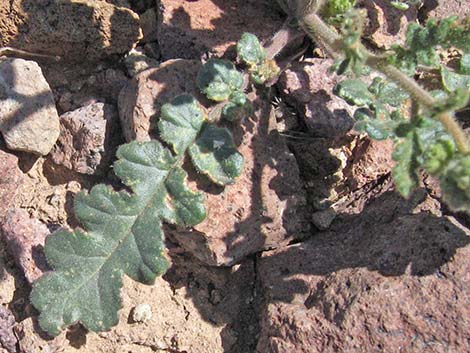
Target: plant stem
331, 42
281, 38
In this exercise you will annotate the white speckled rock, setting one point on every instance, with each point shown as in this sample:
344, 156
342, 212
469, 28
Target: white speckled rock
28, 116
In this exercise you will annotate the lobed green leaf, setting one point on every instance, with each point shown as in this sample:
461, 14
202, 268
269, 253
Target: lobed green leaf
214, 154
180, 122
218, 80
122, 233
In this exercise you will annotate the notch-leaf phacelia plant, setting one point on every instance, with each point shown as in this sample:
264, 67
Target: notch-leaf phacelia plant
122, 230
421, 123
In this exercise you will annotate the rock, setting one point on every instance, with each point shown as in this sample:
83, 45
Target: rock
189, 29
140, 101
11, 178
30, 341
137, 61
308, 86
444, 9
25, 238
322, 219
262, 210
7, 337
89, 139
76, 31
28, 118
369, 160
142, 313
385, 24
384, 281
341, 173
101, 86
149, 25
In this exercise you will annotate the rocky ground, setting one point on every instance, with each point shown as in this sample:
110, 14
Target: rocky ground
310, 251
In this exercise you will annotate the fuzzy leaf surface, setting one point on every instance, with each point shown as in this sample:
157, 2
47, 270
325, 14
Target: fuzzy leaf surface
250, 50
453, 81
121, 235
214, 154
219, 79
354, 92
180, 122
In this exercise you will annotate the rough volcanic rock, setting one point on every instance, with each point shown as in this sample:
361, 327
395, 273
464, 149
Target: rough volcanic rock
7, 337
28, 117
89, 139
77, 31
189, 29
29, 341
25, 238
11, 178
140, 101
369, 160
385, 281
79, 89
149, 25
308, 87
386, 25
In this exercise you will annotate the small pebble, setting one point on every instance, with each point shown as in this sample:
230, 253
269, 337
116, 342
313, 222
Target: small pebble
142, 313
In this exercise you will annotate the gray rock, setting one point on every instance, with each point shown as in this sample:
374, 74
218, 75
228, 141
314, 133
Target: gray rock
308, 86
28, 116
25, 238
89, 138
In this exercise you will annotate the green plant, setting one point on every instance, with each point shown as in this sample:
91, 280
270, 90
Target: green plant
421, 123
122, 230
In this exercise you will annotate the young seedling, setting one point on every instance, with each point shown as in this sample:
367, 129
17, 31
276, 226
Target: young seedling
122, 231
421, 123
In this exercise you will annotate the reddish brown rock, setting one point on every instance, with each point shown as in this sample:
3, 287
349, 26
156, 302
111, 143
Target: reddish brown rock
370, 159
88, 139
189, 29
444, 9
385, 281
76, 31
262, 210
25, 238
78, 89
140, 101
11, 178
386, 25
308, 87
149, 25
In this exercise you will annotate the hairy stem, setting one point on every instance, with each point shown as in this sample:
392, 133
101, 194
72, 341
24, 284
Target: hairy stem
284, 36
331, 42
